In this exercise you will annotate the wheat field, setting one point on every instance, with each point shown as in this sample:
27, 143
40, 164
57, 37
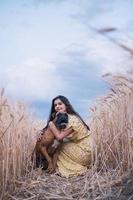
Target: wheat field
111, 126
17, 139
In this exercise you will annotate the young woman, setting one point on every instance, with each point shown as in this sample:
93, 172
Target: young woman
74, 156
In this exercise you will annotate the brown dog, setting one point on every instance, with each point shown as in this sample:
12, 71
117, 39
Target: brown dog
43, 146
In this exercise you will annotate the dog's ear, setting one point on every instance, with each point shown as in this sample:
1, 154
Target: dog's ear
53, 115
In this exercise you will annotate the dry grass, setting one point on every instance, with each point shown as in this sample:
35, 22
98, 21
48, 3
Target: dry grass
112, 129
17, 139
112, 126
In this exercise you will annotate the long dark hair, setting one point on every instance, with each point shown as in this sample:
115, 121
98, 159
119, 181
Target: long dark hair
69, 109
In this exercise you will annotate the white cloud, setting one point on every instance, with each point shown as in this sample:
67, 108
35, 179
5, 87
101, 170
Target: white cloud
35, 79
101, 50
48, 31
109, 56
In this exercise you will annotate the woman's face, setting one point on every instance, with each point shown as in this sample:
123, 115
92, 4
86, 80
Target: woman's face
59, 106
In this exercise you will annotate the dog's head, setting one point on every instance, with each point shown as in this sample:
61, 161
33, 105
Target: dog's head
61, 120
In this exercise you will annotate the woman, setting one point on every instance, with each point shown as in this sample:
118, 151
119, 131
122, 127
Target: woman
74, 156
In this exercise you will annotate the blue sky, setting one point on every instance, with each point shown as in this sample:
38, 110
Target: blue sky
48, 47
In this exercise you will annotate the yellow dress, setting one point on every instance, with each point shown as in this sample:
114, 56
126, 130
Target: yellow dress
75, 155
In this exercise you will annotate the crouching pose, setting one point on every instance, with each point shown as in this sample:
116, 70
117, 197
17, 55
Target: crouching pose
74, 156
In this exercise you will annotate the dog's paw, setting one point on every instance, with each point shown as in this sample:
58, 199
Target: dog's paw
50, 168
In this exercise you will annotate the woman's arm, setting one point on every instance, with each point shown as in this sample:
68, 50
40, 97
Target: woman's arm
59, 134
